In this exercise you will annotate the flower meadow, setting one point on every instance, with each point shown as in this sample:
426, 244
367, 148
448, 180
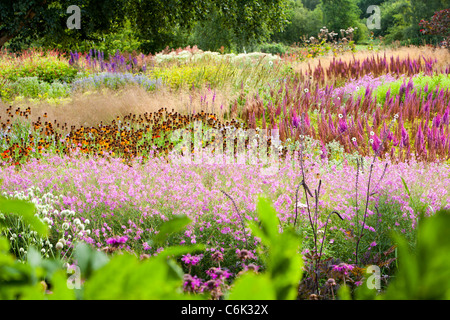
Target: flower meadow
360, 147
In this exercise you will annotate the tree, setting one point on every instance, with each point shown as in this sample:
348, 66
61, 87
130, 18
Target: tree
364, 4
211, 34
26, 20
400, 18
422, 9
439, 25
302, 22
154, 21
311, 4
340, 14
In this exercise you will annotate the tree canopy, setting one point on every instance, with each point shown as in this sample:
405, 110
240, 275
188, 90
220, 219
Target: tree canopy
153, 20
152, 25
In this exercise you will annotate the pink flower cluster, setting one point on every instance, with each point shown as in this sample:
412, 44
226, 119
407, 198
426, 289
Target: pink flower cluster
192, 260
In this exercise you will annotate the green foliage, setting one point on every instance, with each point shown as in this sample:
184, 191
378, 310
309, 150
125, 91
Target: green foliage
124, 277
26, 210
420, 83
19, 280
426, 273
400, 19
46, 66
175, 225
89, 260
423, 274
302, 23
46, 20
123, 39
364, 4
253, 287
211, 34
246, 23
150, 24
32, 87
273, 48
188, 76
281, 256
340, 14
311, 4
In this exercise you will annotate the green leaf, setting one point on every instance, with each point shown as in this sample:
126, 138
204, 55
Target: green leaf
344, 293
426, 273
34, 257
285, 264
283, 261
88, 259
176, 251
177, 224
125, 277
109, 282
26, 211
35, 292
406, 187
60, 290
269, 220
4, 245
251, 286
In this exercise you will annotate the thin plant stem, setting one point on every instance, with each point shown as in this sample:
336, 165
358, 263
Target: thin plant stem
242, 222
321, 247
365, 213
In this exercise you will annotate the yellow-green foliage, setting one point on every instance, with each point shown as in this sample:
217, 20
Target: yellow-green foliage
192, 75
48, 66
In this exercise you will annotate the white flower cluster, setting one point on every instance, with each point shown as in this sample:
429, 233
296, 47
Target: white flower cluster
185, 56
20, 234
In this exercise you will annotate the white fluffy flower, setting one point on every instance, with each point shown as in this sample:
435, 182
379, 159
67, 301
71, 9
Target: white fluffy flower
301, 205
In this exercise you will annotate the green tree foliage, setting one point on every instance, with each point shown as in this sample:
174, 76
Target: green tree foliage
303, 22
400, 18
422, 9
310, 4
340, 14
123, 39
364, 4
211, 33
393, 21
23, 21
155, 22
